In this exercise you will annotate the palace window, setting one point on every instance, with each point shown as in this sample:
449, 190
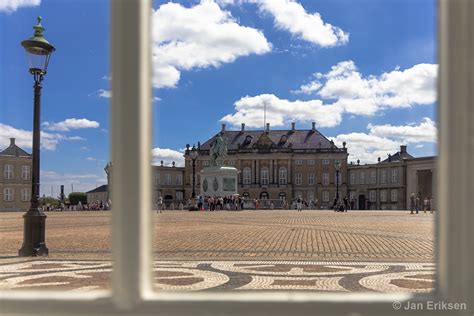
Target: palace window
298, 194
325, 162
8, 194
352, 195
205, 163
372, 196
8, 172
373, 177
298, 178
157, 178
352, 177
179, 179
264, 174
325, 178
362, 177
25, 195
311, 162
167, 179
338, 178
298, 162
394, 195
282, 179
179, 195
383, 176
25, 172
325, 196
311, 196
247, 175
311, 178
383, 195
394, 175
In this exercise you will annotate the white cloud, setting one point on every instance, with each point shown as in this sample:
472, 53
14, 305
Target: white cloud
200, 36
69, 124
382, 140
280, 112
82, 182
366, 95
289, 15
12, 5
24, 138
104, 93
168, 156
308, 88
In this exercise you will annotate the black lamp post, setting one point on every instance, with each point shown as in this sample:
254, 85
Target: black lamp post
39, 51
337, 165
194, 154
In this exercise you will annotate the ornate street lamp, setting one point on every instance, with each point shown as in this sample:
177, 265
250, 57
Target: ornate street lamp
337, 165
194, 154
39, 51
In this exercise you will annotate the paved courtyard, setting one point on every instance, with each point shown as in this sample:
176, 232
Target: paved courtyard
270, 250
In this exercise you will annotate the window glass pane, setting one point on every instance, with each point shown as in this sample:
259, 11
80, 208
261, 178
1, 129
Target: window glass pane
74, 148
270, 111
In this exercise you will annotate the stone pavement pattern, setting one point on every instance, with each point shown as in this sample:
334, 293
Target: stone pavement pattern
274, 250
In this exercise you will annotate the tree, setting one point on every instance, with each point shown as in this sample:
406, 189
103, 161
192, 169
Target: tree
76, 197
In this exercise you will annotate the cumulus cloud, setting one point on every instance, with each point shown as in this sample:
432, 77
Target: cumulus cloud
168, 156
343, 89
249, 110
291, 16
200, 36
10, 6
24, 138
366, 95
82, 182
102, 93
382, 140
69, 124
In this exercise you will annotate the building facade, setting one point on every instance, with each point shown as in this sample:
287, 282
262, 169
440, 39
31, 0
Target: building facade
278, 164
387, 185
15, 179
97, 195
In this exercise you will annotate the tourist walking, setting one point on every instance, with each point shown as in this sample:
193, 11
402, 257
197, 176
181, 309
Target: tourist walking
160, 204
417, 204
299, 204
412, 203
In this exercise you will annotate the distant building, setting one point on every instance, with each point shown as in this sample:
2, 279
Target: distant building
99, 194
15, 179
387, 185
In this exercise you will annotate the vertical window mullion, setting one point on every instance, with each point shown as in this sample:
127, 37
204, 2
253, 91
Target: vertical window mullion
131, 150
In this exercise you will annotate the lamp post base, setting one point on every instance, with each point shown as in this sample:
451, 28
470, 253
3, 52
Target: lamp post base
34, 234
193, 206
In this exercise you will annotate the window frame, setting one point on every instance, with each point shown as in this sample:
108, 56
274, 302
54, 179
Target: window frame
8, 171
132, 292
246, 176
264, 176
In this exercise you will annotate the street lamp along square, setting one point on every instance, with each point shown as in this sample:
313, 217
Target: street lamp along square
38, 51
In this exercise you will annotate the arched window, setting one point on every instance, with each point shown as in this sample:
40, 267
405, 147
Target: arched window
282, 176
247, 174
264, 176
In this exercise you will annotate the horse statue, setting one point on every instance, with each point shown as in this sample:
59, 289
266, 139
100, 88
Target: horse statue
218, 151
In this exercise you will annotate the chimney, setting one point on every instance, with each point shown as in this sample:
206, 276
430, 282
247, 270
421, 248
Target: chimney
12, 141
223, 127
313, 127
403, 149
293, 126
243, 127
268, 127
378, 159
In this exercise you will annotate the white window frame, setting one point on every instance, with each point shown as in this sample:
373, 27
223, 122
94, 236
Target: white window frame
179, 179
383, 195
373, 177
132, 292
311, 178
383, 176
25, 195
8, 172
25, 172
325, 162
168, 179
362, 177
394, 175
247, 176
310, 162
8, 194
157, 179
352, 177
298, 178
325, 196
325, 179
299, 162
282, 176
394, 195
372, 196
264, 176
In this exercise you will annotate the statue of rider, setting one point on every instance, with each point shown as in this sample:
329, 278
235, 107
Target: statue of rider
218, 151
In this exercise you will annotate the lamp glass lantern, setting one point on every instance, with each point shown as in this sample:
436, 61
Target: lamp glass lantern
194, 153
38, 50
337, 165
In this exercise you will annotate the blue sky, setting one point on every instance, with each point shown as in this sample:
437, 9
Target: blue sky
368, 78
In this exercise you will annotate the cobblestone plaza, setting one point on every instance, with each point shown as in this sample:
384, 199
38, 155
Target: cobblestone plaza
270, 250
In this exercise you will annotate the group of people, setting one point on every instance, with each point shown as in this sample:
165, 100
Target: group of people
214, 203
416, 204
93, 206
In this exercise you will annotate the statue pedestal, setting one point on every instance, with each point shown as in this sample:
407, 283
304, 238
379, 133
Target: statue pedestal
219, 181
